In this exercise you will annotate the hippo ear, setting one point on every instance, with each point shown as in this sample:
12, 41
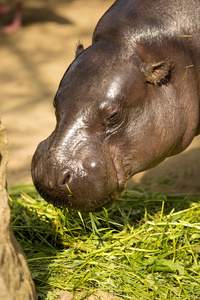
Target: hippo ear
158, 73
79, 50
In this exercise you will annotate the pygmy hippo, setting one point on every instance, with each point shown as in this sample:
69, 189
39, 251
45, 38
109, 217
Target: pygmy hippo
127, 102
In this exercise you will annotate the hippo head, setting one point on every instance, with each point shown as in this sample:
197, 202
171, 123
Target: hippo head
115, 117
78, 165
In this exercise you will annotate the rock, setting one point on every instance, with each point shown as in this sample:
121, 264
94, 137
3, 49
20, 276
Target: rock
15, 279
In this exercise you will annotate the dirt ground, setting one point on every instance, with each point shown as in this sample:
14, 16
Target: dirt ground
33, 61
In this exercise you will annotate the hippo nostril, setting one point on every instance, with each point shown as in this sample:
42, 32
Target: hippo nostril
67, 179
64, 177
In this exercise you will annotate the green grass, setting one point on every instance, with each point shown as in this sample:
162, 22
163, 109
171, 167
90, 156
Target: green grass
147, 246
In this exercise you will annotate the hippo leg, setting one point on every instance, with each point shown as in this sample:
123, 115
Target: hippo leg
17, 21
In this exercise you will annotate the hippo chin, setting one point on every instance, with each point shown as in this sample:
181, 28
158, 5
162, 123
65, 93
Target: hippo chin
125, 103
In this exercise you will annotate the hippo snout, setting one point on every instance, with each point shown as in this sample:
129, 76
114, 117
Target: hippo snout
85, 184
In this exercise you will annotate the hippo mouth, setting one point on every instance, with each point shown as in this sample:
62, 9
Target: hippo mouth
64, 198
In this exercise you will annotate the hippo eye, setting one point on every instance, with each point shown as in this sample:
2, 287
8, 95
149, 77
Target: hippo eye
112, 118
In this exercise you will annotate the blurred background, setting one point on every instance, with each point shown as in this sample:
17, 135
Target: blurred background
33, 60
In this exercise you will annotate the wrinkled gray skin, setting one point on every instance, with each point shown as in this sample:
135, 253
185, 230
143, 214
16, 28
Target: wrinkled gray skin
125, 103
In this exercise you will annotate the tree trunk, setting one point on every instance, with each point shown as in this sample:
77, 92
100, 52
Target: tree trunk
15, 280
